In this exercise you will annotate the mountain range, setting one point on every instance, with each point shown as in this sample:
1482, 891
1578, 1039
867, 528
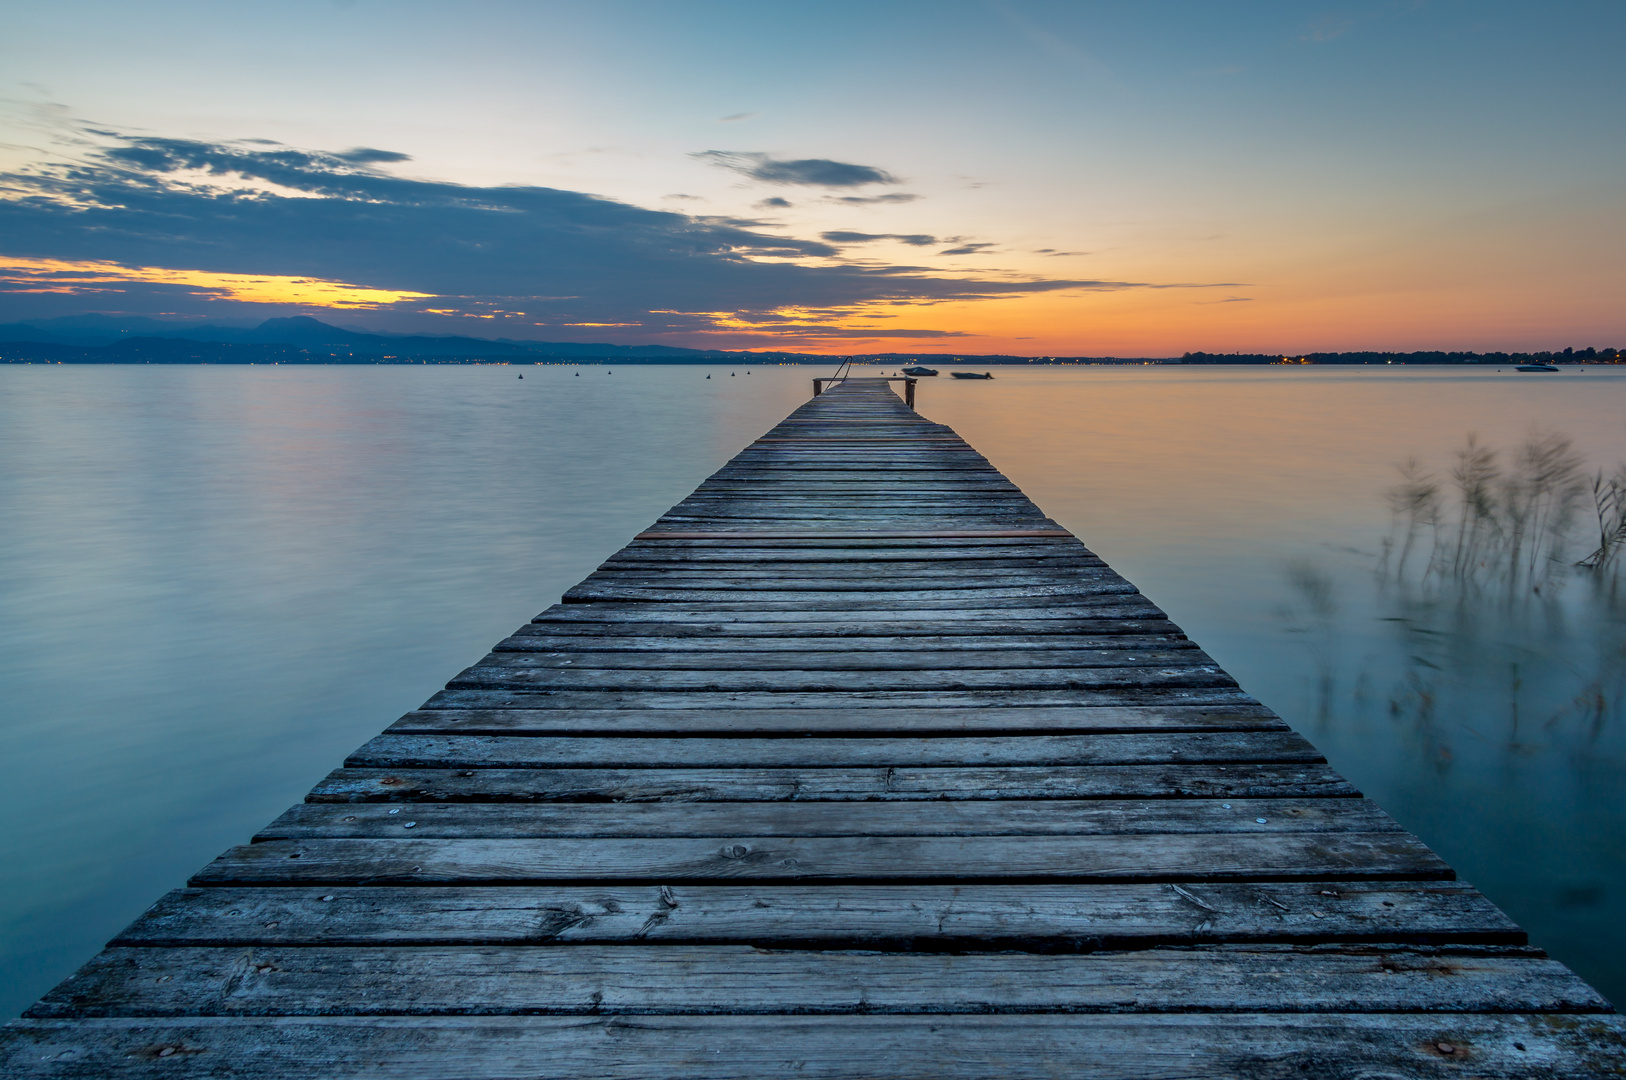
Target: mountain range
303, 332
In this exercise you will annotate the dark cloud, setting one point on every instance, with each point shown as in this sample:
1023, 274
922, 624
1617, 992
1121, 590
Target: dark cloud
866, 200
366, 155
816, 331
809, 172
965, 249
912, 239
775, 203
527, 255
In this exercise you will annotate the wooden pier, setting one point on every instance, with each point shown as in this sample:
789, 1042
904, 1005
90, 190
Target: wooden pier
854, 765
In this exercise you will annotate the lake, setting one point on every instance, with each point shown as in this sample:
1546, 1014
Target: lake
215, 582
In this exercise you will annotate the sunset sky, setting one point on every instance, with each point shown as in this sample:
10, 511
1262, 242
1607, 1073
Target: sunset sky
1134, 179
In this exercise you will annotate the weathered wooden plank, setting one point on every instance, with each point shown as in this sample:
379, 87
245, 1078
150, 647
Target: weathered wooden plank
941, 523
1045, 917
847, 578
685, 979
862, 609
933, 553
1077, 613
810, 632
763, 567
1051, 817
761, 497
789, 508
854, 473
832, 543
1278, 854
775, 482
841, 462
811, 785
736, 722
738, 520
812, 446
841, 598
696, 606
512, 670
532, 638
517, 698
946, 556
948, 521
501, 670
963, 538
983, 492
502, 751
1338, 1046
1183, 655
872, 582
926, 544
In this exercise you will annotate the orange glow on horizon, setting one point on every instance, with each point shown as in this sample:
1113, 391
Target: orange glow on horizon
91, 276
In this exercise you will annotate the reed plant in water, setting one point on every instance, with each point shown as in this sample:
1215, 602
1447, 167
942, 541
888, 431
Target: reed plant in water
1499, 522
1609, 504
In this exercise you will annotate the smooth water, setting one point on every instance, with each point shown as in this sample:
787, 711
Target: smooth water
217, 581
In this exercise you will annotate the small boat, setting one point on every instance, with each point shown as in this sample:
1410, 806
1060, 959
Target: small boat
918, 370
1535, 367
972, 374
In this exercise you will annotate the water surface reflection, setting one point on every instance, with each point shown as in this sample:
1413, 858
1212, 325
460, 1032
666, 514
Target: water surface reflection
1427, 629
215, 582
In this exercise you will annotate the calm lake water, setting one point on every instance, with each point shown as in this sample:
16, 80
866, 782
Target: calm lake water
217, 581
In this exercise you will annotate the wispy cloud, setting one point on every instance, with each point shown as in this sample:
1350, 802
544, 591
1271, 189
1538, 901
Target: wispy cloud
1058, 47
1327, 28
811, 172
735, 118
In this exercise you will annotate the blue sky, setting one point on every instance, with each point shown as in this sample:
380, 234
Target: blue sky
1027, 177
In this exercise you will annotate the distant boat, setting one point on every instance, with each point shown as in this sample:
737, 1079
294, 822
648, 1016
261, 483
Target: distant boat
972, 375
917, 370
1535, 367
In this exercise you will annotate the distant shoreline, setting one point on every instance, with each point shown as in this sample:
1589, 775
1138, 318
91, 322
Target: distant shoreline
172, 351
102, 339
